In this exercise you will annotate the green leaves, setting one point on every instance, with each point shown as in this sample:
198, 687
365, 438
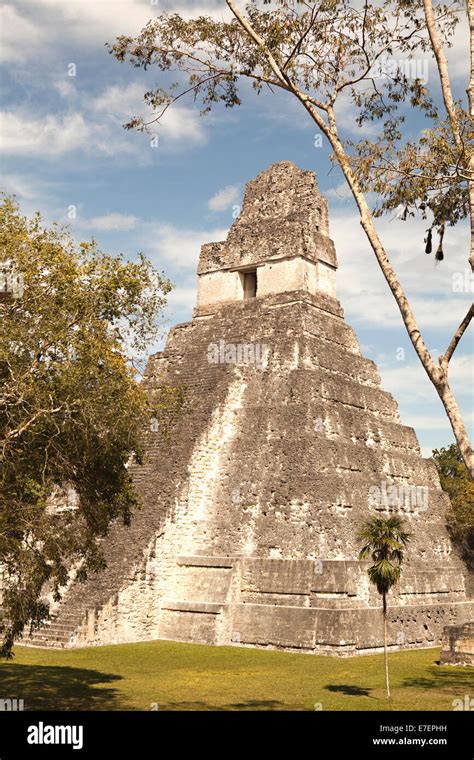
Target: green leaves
384, 541
430, 173
455, 481
72, 411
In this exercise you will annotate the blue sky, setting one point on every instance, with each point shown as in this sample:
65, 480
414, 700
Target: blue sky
63, 146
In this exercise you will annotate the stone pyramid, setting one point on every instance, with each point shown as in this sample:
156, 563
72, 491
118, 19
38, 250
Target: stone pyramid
247, 535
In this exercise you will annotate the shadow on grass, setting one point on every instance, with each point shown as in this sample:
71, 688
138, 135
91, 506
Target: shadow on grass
58, 688
264, 704
440, 677
349, 690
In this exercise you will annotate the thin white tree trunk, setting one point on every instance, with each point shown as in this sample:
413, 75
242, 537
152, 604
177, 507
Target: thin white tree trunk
459, 429
385, 656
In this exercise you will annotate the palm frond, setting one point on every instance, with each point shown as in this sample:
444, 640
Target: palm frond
384, 541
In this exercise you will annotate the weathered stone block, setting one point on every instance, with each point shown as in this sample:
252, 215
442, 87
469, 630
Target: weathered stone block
457, 646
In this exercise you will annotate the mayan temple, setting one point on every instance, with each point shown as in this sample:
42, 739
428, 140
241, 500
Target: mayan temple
288, 443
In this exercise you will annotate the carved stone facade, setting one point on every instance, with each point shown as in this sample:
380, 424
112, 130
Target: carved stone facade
248, 531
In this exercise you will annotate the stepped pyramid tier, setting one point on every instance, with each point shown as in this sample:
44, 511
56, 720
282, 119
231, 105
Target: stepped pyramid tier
252, 505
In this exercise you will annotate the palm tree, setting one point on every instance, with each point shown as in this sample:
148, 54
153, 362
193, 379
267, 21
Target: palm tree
384, 540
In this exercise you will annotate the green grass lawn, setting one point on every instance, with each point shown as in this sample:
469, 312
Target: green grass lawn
196, 677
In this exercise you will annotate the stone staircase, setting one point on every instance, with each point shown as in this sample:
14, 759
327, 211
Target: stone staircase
57, 634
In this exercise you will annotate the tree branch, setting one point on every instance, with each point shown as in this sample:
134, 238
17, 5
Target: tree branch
444, 360
260, 42
442, 64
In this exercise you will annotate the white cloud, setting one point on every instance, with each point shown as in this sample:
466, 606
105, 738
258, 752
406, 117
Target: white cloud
182, 298
419, 404
114, 221
113, 17
432, 422
459, 54
94, 18
56, 135
408, 381
95, 127
181, 125
24, 187
31, 28
225, 198
65, 88
19, 36
362, 287
20, 134
119, 102
340, 192
178, 123
178, 246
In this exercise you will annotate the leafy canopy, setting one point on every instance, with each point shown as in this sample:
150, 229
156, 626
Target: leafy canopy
71, 408
455, 481
384, 541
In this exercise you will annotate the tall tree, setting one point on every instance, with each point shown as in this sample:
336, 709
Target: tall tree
460, 489
71, 407
319, 53
384, 540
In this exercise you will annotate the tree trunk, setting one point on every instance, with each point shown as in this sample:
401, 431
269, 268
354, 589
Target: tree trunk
437, 375
470, 94
329, 128
385, 653
457, 425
